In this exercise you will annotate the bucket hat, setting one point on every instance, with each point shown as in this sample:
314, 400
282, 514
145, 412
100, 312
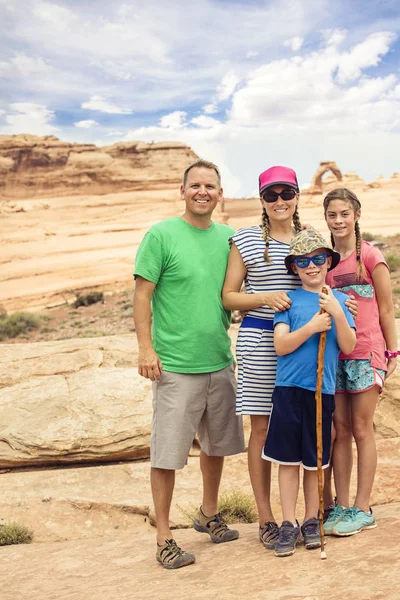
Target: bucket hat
277, 176
307, 241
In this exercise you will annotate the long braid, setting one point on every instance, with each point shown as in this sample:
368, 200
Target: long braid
351, 198
265, 233
296, 221
360, 266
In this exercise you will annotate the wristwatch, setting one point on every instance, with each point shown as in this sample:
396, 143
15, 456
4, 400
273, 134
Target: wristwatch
390, 354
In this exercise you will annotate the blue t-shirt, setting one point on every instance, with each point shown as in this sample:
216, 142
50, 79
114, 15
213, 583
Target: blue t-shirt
299, 368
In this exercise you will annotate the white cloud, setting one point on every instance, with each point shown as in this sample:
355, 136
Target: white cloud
315, 116
205, 122
25, 66
210, 109
86, 124
251, 54
366, 54
334, 37
227, 86
174, 120
31, 118
294, 43
101, 105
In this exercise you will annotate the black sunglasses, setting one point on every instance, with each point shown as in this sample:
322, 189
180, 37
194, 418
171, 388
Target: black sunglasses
271, 196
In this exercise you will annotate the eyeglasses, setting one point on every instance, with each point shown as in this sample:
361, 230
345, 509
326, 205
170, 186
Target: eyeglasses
303, 261
271, 196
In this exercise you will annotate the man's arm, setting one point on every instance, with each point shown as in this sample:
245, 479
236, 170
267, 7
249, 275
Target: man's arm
286, 341
149, 364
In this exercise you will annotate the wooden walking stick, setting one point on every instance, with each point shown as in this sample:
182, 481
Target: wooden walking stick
318, 403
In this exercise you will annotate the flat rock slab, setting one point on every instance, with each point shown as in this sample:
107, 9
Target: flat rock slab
363, 567
79, 502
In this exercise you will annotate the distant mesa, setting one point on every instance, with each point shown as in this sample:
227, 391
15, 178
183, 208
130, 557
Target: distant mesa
37, 167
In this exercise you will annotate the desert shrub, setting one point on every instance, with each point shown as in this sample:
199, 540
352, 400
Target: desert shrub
11, 326
393, 260
367, 236
235, 506
87, 299
12, 533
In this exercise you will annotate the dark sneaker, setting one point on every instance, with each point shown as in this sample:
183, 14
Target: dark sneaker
170, 556
269, 534
310, 531
216, 528
287, 540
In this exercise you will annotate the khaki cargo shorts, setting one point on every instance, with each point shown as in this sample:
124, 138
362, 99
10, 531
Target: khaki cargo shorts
185, 404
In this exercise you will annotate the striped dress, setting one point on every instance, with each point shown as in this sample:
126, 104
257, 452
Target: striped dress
255, 352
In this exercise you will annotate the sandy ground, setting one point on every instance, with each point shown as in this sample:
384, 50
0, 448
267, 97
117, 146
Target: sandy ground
51, 247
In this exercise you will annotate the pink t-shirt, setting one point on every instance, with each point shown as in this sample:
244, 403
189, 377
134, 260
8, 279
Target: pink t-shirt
370, 341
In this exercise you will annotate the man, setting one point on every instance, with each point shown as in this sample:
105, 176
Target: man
179, 270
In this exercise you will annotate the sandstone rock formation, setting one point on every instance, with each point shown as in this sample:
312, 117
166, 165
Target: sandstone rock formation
81, 400
36, 167
324, 167
73, 401
337, 179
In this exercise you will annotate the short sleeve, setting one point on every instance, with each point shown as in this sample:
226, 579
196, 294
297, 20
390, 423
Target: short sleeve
342, 299
149, 262
282, 317
373, 257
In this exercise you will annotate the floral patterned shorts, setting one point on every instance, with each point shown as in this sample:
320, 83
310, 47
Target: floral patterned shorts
357, 376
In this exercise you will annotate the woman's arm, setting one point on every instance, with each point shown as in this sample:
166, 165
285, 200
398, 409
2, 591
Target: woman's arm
233, 299
383, 291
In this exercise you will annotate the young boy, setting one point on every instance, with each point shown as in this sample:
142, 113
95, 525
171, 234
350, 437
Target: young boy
291, 438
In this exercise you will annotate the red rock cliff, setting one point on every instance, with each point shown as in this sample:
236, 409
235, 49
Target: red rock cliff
33, 167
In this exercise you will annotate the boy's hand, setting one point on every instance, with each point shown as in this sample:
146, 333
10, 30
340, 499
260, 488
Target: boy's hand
329, 303
321, 322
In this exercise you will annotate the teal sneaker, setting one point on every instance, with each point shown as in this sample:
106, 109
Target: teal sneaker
335, 514
353, 521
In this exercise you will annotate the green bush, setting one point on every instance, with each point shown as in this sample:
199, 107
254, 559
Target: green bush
235, 507
393, 260
368, 237
12, 533
87, 299
11, 326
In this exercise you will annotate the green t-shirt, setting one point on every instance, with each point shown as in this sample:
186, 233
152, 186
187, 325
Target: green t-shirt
188, 266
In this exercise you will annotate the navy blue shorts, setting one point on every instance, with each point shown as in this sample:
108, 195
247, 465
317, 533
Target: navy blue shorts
291, 437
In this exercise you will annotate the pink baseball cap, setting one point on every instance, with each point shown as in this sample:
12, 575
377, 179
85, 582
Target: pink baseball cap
277, 176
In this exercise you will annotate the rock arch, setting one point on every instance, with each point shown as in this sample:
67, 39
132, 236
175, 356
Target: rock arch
324, 167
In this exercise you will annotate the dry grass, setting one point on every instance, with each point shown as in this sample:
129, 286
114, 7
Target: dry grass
12, 533
235, 506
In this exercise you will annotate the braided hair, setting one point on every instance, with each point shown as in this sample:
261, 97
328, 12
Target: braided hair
265, 229
351, 198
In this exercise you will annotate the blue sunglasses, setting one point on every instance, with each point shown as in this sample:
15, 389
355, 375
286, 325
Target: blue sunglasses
303, 261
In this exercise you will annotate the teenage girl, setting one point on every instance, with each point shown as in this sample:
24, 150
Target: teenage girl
363, 272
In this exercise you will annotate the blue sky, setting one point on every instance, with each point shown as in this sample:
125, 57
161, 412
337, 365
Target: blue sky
245, 84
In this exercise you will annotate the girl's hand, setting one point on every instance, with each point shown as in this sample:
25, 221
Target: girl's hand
278, 301
329, 303
321, 322
352, 305
391, 366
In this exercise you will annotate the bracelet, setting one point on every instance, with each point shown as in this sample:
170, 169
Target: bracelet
390, 354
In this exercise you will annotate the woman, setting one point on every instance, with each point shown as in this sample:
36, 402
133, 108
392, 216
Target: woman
257, 258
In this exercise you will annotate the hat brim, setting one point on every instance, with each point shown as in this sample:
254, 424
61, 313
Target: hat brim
332, 253
294, 187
